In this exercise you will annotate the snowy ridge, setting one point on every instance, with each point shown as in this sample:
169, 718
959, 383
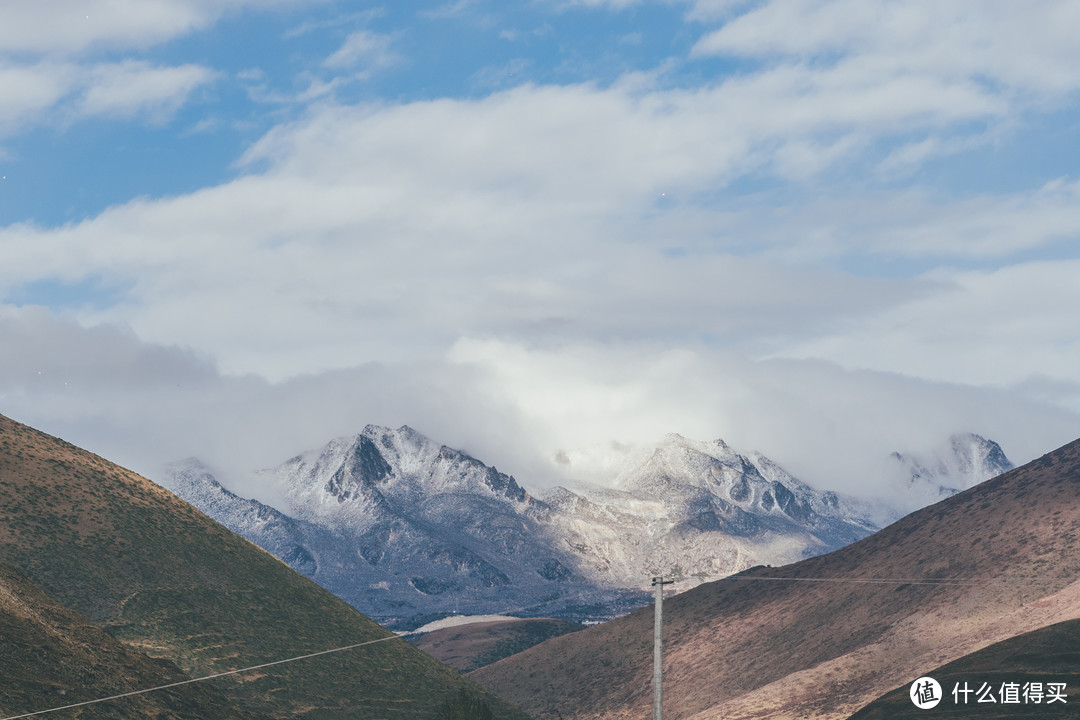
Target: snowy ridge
351, 482
693, 508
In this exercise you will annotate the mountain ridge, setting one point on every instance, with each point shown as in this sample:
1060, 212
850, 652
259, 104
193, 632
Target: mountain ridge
406, 529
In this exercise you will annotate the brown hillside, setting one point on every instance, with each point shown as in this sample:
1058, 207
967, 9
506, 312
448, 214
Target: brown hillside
746, 648
165, 579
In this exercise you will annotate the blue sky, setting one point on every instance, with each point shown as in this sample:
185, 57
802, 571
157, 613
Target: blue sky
527, 226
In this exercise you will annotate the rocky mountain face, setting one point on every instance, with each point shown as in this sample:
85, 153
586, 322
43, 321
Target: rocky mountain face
407, 530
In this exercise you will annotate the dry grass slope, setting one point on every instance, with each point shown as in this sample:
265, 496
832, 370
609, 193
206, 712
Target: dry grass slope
1051, 654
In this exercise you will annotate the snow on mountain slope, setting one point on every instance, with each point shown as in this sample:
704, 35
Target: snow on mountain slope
407, 530
352, 482
694, 508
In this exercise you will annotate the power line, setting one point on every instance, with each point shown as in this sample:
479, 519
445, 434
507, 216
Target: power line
865, 581
201, 679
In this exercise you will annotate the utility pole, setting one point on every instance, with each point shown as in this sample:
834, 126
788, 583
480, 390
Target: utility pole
658, 658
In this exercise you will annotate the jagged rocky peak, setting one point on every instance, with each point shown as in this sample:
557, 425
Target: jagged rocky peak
382, 463
681, 467
965, 460
404, 447
362, 468
979, 457
399, 524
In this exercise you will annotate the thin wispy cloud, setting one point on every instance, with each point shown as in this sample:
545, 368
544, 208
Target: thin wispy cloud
363, 51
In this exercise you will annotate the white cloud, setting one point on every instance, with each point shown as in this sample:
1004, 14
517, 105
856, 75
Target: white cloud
132, 87
385, 232
365, 51
67, 27
48, 50
990, 226
530, 213
832, 427
913, 226
71, 26
1027, 48
53, 91
944, 62
28, 91
1006, 327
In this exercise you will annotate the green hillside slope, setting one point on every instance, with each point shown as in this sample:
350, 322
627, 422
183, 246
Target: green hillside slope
170, 582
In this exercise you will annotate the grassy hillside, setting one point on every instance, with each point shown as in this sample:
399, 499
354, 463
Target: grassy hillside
162, 577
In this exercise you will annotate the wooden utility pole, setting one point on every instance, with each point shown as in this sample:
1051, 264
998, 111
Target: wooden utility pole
658, 657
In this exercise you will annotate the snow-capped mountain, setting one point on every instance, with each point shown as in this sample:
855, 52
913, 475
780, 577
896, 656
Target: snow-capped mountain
405, 530
964, 461
408, 530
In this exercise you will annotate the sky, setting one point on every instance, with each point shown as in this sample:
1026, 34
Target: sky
822, 230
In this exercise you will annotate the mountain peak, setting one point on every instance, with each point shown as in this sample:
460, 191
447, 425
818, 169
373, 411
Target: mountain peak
964, 461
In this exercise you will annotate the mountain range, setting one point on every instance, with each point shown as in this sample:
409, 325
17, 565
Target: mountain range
827, 635
408, 530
